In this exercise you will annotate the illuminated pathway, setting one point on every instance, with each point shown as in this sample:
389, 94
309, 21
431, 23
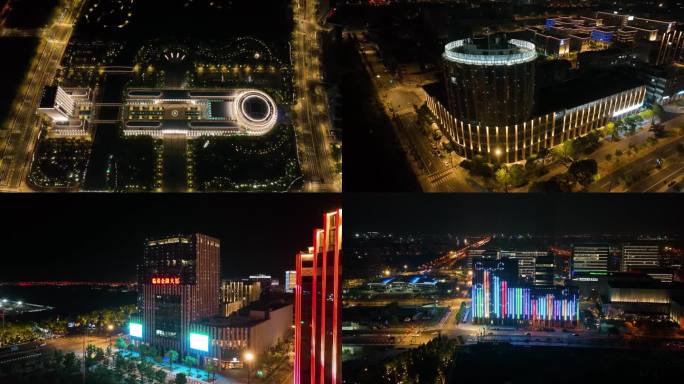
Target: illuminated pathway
23, 127
313, 122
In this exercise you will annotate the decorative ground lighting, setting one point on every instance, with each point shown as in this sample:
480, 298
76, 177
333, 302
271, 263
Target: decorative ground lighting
135, 330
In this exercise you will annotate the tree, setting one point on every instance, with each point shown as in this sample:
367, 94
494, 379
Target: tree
120, 343
212, 367
503, 177
172, 355
160, 376
518, 175
190, 361
565, 153
180, 379
583, 171
556, 184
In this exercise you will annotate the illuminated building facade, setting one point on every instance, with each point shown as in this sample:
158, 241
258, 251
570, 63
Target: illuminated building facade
544, 267
636, 256
497, 298
318, 344
526, 261
257, 328
516, 142
590, 259
67, 110
671, 48
237, 293
194, 113
490, 81
290, 281
179, 283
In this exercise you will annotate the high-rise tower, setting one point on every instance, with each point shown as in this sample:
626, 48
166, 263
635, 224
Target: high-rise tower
318, 347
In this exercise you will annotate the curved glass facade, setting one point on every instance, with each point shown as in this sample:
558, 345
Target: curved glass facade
490, 85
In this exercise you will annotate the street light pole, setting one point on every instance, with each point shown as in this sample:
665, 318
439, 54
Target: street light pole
249, 357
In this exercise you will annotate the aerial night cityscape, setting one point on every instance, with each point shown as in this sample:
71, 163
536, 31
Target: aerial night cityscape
483, 288
184, 296
191, 95
172, 186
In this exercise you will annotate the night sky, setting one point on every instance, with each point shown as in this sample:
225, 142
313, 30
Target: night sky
515, 213
93, 237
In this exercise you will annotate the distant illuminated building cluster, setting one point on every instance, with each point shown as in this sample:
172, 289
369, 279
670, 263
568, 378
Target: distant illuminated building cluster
498, 298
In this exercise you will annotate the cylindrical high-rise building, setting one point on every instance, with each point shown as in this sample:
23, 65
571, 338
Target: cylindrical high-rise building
490, 81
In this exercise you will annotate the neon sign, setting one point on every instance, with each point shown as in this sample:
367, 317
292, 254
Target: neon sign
166, 280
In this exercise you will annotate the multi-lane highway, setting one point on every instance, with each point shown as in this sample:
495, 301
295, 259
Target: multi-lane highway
23, 127
311, 108
658, 179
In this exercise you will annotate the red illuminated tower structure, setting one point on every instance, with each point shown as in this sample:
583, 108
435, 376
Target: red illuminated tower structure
179, 281
317, 306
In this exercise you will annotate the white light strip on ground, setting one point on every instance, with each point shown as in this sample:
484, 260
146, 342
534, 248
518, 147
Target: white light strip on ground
628, 109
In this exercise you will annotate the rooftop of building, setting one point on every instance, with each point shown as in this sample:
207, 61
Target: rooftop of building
248, 316
490, 50
581, 90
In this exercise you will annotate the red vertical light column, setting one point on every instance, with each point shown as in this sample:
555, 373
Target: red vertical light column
298, 319
337, 274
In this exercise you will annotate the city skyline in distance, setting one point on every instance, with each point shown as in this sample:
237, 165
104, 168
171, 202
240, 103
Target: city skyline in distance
80, 229
538, 214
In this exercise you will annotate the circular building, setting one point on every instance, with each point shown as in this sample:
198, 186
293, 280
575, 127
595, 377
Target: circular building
490, 81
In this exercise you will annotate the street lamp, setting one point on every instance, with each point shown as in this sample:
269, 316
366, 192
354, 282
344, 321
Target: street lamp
249, 358
110, 328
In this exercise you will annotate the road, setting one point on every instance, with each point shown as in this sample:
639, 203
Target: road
435, 172
75, 343
657, 179
313, 121
23, 127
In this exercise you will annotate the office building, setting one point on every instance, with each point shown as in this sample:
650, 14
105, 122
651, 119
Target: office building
526, 262
490, 80
509, 143
590, 259
256, 328
498, 298
636, 256
544, 267
56, 103
238, 293
318, 346
290, 281
671, 48
179, 284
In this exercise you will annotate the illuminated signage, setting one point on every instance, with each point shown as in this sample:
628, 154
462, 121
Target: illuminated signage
166, 280
199, 342
135, 330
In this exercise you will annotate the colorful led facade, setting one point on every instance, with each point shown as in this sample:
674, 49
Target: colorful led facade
318, 348
497, 298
